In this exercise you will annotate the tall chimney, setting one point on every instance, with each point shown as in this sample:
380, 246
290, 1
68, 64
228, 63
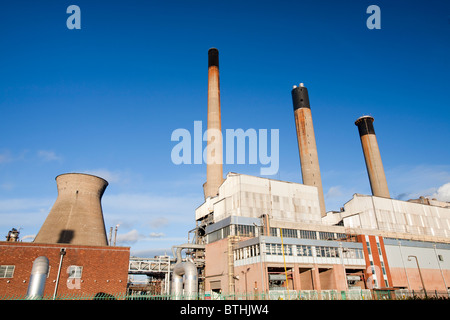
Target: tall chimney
76, 217
307, 142
374, 166
214, 159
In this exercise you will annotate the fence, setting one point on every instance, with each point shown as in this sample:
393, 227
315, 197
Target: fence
272, 295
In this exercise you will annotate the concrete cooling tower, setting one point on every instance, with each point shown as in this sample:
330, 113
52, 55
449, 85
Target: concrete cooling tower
76, 217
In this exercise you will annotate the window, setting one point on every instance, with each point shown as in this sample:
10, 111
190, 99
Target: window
368, 247
7, 271
288, 250
324, 252
244, 230
379, 249
304, 251
326, 235
441, 258
215, 235
307, 234
273, 232
289, 233
382, 267
279, 252
75, 272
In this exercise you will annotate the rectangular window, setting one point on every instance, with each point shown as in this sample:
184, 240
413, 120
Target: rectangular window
7, 271
244, 230
307, 234
273, 232
368, 247
279, 252
326, 235
268, 249
379, 249
288, 250
289, 233
382, 267
75, 272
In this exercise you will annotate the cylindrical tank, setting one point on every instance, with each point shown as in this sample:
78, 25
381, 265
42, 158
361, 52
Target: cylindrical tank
214, 147
372, 156
309, 158
38, 277
76, 217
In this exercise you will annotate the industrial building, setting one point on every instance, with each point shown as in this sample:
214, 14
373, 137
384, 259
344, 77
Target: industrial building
254, 237
70, 255
267, 236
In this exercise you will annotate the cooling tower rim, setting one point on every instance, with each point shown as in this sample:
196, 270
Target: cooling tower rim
82, 174
364, 117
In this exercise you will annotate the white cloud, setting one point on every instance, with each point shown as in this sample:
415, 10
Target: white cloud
130, 237
156, 235
48, 155
442, 193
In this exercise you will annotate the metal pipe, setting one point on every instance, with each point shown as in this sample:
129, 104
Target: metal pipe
62, 253
37, 278
188, 288
187, 269
420, 274
185, 246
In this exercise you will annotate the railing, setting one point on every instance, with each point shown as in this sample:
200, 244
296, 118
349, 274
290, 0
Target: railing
272, 295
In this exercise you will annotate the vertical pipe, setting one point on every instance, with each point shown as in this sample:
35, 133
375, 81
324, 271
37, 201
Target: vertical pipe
284, 261
374, 165
214, 148
37, 278
307, 142
62, 253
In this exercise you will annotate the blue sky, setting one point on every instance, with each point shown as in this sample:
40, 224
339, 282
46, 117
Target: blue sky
105, 100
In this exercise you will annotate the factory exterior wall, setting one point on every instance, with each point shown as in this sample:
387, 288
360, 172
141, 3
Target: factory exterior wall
433, 259
369, 212
300, 277
104, 269
249, 196
216, 266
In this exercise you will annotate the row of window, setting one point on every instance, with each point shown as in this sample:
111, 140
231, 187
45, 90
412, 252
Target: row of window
306, 234
7, 271
235, 230
299, 251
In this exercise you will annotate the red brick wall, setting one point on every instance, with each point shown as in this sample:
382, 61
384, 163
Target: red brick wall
105, 269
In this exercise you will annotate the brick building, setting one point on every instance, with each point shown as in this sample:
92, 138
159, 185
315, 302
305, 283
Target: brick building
85, 270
